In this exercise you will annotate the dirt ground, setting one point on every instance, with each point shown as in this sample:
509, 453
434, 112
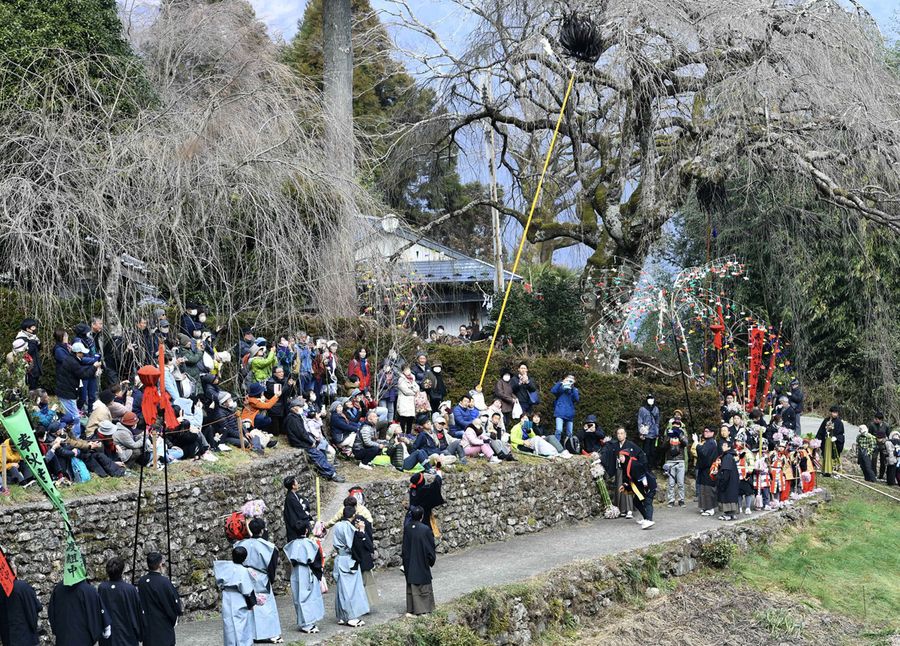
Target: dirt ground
706, 612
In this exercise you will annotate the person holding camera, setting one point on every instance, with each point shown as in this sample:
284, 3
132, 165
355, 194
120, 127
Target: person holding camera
567, 396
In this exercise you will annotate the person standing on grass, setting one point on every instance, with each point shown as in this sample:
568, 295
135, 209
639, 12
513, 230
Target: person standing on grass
865, 448
418, 555
831, 435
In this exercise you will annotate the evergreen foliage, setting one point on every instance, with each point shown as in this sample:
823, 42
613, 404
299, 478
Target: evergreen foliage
33, 34
413, 170
544, 312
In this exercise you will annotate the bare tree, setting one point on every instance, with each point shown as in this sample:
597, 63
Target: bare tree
218, 188
686, 94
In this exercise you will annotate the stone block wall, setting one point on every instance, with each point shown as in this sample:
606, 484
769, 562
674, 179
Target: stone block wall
489, 503
484, 503
104, 526
518, 614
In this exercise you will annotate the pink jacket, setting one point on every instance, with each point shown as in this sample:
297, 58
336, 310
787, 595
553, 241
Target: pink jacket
471, 438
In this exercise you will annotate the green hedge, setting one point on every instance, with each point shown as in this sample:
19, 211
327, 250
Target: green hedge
613, 398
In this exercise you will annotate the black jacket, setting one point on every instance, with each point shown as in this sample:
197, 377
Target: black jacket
838, 433
297, 435
707, 453
363, 548
296, 515
418, 553
162, 608
727, 480
69, 372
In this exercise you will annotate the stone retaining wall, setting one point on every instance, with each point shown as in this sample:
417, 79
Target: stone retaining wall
517, 614
484, 503
489, 503
105, 526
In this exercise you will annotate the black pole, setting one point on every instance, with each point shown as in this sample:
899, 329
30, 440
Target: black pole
168, 530
137, 521
683, 377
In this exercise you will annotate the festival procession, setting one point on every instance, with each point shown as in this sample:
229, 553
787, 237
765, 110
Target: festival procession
456, 322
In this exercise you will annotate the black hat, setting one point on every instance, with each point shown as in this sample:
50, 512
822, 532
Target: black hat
834, 409
878, 415
590, 419
29, 322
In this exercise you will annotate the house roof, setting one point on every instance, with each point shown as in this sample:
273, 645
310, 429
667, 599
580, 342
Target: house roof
461, 268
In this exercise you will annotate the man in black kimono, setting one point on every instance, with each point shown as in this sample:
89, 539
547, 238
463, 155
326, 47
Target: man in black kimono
76, 615
418, 555
424, 492
161, 603
19, 614
296, 511
123, 607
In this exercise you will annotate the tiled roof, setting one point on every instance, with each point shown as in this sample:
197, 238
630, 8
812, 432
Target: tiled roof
465, 270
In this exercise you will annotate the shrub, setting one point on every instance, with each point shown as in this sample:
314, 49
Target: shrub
614, 398
719, 553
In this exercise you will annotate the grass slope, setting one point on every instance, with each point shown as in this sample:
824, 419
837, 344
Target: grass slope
846, 560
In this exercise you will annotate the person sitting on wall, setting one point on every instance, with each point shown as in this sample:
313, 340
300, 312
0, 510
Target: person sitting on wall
463, 415
343, 431
523, 438
476, 441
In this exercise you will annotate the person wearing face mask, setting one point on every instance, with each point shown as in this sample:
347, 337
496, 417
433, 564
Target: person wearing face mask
567, 396
504, 392
648, 428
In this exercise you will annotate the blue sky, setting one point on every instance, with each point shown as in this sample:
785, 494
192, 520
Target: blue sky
281, 16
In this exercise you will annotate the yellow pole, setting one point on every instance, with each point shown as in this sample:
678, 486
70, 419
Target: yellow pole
318, 501
534, 201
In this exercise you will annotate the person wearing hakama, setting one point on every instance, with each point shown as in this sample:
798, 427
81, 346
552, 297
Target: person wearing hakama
418, 556
624, 495
238, 598
727, 483
161, 604
638, 479
76, 615
122, 604
262, 562
306, 581
831, 435
707, 452
19, 614
350, 602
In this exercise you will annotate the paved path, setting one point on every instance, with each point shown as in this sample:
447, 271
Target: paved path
810, 424
498, 563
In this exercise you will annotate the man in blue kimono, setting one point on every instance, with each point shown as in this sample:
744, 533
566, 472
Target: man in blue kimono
262, 563
306, 580
238, 598
350, 602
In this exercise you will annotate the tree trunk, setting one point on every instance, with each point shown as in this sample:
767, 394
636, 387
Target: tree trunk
336, 291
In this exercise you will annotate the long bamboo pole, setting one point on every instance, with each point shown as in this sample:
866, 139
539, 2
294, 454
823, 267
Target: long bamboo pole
534, 201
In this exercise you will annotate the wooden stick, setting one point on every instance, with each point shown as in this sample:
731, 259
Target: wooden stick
3, 466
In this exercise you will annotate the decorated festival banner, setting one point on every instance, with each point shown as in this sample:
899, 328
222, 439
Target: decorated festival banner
22, 437
7, 578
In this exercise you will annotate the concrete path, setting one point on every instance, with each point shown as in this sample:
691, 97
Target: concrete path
810, 424
498, 563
